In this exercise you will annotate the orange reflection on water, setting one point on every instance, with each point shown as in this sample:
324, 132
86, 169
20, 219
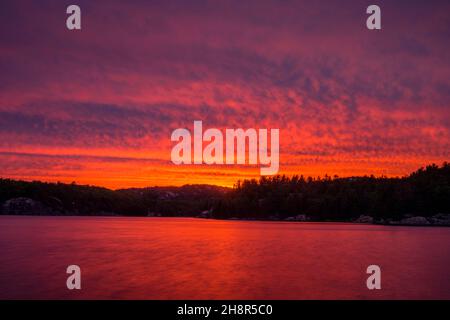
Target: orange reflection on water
174, 258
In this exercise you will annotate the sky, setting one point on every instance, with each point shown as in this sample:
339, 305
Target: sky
98, 105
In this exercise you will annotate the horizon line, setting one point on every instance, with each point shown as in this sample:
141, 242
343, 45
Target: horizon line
314, 178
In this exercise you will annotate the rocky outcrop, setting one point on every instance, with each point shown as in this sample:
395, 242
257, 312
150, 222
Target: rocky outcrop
364, 219
440, 219
415, 221
24, 206
205, 214
300, 217
436, 220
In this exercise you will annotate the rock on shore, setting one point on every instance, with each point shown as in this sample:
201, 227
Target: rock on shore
300, 217
364, 219
415, 221
436, 220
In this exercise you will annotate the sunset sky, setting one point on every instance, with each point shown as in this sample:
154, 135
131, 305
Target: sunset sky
98, 106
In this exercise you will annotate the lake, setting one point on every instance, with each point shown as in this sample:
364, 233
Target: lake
183, 258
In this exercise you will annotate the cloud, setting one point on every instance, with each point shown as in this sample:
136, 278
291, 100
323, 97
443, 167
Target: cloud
137, 70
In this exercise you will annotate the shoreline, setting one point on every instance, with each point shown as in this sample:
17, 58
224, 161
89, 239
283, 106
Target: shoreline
390, 223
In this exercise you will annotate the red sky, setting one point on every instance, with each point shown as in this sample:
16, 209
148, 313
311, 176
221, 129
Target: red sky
97, 106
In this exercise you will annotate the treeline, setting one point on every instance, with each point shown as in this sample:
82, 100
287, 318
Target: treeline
425, 192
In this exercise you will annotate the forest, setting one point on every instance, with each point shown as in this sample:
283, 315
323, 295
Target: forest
425, 192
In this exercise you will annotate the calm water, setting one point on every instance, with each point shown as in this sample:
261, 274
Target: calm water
168, 258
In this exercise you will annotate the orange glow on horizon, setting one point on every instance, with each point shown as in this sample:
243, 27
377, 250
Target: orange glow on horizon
126, 172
